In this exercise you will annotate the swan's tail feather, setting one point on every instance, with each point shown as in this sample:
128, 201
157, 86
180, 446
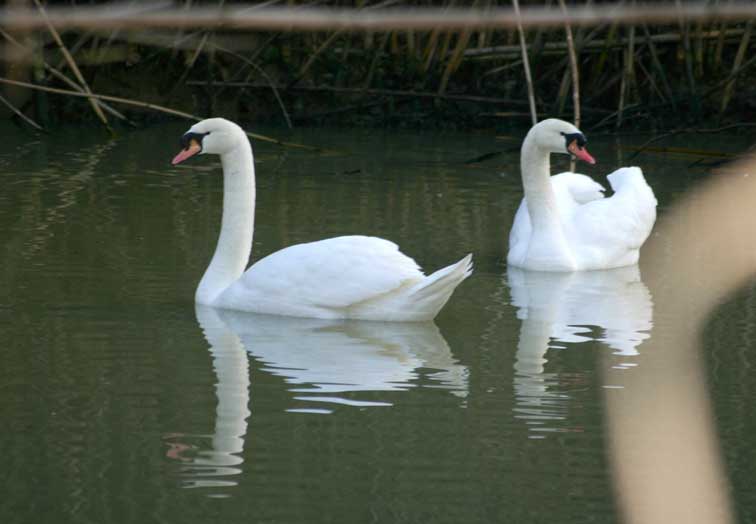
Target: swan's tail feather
418, 302
626, 177
432, 283
434, 291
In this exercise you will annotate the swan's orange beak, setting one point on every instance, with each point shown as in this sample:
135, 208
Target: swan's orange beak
580, 152
192, 149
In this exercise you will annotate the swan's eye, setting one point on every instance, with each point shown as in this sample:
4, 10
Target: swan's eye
576, 147
576, 138
186, 139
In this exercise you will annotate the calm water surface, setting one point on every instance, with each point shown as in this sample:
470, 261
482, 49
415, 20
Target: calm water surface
123, 403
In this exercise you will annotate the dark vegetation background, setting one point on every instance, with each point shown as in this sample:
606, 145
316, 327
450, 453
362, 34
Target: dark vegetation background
645, 77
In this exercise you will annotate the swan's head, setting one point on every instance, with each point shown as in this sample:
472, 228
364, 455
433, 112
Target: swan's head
215, 136
558, 136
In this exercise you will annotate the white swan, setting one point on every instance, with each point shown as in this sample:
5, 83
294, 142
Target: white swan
355, 277
564, 223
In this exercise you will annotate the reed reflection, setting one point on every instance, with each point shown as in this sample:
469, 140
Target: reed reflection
613, 307
322, 361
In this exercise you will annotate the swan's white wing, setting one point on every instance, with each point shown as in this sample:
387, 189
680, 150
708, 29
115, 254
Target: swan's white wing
609, 227
333, 274
638, 202
580, 188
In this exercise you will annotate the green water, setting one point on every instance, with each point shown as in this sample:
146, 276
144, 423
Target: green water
122, 403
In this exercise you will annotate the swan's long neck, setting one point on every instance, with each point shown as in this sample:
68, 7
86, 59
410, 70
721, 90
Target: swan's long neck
237, 227
536, 181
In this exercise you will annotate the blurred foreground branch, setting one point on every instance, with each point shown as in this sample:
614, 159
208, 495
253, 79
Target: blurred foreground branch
664, 450
295, 18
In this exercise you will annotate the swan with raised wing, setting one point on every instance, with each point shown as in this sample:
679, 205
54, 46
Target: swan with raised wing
564, 222
357, 277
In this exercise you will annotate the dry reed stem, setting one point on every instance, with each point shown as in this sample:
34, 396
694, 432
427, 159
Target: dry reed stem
197, 52
446, 43
71, 62
575, 74
496, 70
742, 48
252, 58
20, 113
368, 91
410, 37
564, 88
145, 105
719, 48
314, 56
685, 27
651, 81
698, 50
430, 49
643, 147
61, 76
341, 110
310, 61
598, 65
658, 66
180, 33
454, 60
596, 45
627, 75
709, 91
267, 78
736, 71
395, 43
526, 64
374, 61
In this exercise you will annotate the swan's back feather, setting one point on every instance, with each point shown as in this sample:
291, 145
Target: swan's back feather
334, 273
582, 189
624, 220
343, 277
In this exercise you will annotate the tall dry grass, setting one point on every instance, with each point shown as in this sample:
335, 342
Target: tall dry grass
635, 75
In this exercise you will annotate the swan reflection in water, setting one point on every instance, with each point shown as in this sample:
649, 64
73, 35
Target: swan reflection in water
318, 359
610, 306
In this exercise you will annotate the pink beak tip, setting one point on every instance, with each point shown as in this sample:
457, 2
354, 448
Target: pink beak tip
182, 155
585, 156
